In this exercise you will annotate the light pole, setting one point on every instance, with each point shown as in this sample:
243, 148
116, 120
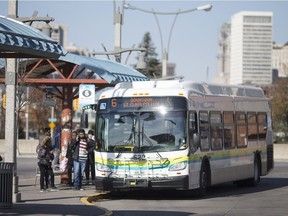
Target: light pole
118, 50
165, 51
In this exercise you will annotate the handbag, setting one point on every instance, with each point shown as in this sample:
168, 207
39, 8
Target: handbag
43, 162
63, 164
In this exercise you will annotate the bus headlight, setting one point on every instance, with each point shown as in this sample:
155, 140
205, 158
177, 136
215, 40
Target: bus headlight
102, 167
178, 166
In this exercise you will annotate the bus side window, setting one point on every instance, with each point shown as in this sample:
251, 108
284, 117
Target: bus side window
216, 138
229, 130
216, 130
193, 131
241, 129
204, 130
252, 127
193, 122
262, 126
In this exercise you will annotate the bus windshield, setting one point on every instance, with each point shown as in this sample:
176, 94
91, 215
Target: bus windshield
141, 131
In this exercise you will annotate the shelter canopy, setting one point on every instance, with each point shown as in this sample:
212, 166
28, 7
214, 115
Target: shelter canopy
18, 40
109, 70
41, 56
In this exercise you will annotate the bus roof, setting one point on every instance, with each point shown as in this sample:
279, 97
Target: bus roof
201, 88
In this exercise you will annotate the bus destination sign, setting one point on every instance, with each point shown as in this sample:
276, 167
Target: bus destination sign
140, 102
143, 103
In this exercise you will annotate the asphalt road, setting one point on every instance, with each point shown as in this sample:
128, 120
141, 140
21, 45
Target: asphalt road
268, 198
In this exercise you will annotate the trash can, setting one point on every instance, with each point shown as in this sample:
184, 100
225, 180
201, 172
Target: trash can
6, 184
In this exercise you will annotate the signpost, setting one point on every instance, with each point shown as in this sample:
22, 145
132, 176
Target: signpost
52, 125
86, 94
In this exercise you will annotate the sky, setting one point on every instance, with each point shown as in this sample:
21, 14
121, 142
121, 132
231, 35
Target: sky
194, 39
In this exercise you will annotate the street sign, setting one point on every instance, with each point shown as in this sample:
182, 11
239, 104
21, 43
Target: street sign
49, 100
52, 119
52, 125
86, 94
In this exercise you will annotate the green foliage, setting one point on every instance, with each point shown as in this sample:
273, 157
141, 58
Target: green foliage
280, 105
153, 65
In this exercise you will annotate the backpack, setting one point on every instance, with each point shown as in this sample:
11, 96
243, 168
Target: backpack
41, 151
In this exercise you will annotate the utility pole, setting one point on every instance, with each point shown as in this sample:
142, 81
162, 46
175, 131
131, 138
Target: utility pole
118, 50
118, 22
27, 115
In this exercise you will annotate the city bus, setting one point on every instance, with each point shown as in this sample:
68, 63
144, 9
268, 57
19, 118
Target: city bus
181, 135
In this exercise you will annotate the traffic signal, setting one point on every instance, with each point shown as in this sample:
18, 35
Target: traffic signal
4, 101
76, 105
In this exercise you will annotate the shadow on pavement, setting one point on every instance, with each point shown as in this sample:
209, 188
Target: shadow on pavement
51, 209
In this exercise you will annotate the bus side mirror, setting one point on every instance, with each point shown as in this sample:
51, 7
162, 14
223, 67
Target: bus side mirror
84, 120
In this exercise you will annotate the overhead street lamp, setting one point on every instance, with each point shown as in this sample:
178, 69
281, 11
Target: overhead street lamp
141, 64
165, 51
118, 50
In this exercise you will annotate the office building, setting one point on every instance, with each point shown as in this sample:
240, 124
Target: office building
280, 59
223, 56
251, 48
58, 34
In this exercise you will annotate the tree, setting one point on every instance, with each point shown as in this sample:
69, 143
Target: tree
279, 99
153, 65
38, 114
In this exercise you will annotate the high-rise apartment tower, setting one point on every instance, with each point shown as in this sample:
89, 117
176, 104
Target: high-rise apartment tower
251, 48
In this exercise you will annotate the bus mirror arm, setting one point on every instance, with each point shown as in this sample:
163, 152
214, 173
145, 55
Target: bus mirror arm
84, 120
196, 140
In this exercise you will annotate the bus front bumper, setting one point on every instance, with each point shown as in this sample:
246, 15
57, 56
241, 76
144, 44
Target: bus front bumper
108, 184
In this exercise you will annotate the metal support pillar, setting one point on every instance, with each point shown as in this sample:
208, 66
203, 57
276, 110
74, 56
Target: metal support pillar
10, 123
66, 121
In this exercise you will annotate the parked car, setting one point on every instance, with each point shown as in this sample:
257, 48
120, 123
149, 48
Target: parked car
280, 137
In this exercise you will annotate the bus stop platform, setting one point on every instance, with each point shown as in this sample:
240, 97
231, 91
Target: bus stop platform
64, 201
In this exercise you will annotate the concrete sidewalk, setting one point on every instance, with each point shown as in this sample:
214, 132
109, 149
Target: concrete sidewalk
66, 201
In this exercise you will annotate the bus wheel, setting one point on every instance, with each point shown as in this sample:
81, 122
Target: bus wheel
204, 181
253, 182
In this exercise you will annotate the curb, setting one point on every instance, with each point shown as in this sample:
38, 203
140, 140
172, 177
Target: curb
89, 199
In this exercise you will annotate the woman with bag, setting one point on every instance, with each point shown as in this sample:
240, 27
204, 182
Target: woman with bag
45, 156
43, 162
